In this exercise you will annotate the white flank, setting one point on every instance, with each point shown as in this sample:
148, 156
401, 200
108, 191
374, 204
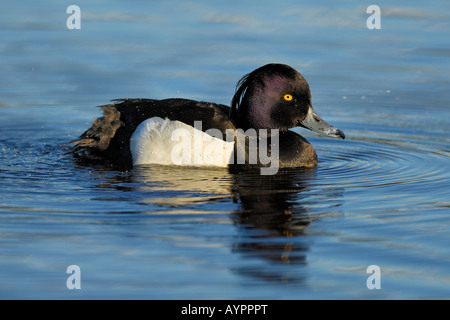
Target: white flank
166, 142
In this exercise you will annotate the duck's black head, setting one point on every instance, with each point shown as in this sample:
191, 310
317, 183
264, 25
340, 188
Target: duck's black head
276, 96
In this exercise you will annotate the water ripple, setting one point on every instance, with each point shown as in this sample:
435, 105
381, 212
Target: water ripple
362, 164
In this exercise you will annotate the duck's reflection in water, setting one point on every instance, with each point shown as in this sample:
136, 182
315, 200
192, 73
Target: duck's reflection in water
272, 203
270, 212
273, 220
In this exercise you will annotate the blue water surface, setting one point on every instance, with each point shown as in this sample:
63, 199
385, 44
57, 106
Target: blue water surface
380, 197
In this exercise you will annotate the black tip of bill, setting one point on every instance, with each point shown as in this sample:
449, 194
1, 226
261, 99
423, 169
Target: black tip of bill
340, 134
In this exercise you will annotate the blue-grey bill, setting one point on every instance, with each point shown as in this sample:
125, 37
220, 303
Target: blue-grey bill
315, 123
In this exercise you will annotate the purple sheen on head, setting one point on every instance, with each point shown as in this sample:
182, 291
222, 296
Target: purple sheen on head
264, 94
258, 101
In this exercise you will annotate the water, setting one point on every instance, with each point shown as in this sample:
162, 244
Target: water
380, 197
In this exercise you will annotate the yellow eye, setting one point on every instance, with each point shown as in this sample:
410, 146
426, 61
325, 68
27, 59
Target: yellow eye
287, 97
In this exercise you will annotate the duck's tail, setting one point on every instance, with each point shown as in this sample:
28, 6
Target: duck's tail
92, 145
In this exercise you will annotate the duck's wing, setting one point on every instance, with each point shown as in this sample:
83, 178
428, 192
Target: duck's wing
108, 139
